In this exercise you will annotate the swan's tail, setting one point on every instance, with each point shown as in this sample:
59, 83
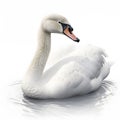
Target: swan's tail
105, 70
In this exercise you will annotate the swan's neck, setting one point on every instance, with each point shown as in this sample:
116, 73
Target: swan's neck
38, 63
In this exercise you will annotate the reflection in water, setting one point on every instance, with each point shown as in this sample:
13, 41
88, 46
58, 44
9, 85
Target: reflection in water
93, 101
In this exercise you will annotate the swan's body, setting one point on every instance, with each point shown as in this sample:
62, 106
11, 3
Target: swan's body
76, 74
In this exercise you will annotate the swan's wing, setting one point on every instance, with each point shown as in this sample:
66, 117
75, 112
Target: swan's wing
63, 78
97, 67
74, 72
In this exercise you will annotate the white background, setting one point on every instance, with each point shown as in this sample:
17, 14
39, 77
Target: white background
94, 21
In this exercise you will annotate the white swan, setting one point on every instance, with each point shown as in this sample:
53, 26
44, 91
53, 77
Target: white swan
76, 74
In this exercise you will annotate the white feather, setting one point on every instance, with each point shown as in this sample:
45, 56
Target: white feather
80, 72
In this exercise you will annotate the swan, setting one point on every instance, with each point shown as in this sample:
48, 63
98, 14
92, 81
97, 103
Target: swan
78, 73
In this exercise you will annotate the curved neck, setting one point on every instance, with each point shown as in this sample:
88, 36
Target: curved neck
38, 63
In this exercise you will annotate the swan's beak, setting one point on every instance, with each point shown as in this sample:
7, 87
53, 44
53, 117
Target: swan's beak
69, 33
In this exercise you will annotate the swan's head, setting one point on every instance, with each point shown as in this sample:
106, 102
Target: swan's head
58, 24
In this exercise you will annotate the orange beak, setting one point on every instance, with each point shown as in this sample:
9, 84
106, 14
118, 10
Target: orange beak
68, 33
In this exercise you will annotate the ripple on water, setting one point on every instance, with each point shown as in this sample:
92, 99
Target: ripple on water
78, 104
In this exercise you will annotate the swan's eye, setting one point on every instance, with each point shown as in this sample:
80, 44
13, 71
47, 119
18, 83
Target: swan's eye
64, 26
